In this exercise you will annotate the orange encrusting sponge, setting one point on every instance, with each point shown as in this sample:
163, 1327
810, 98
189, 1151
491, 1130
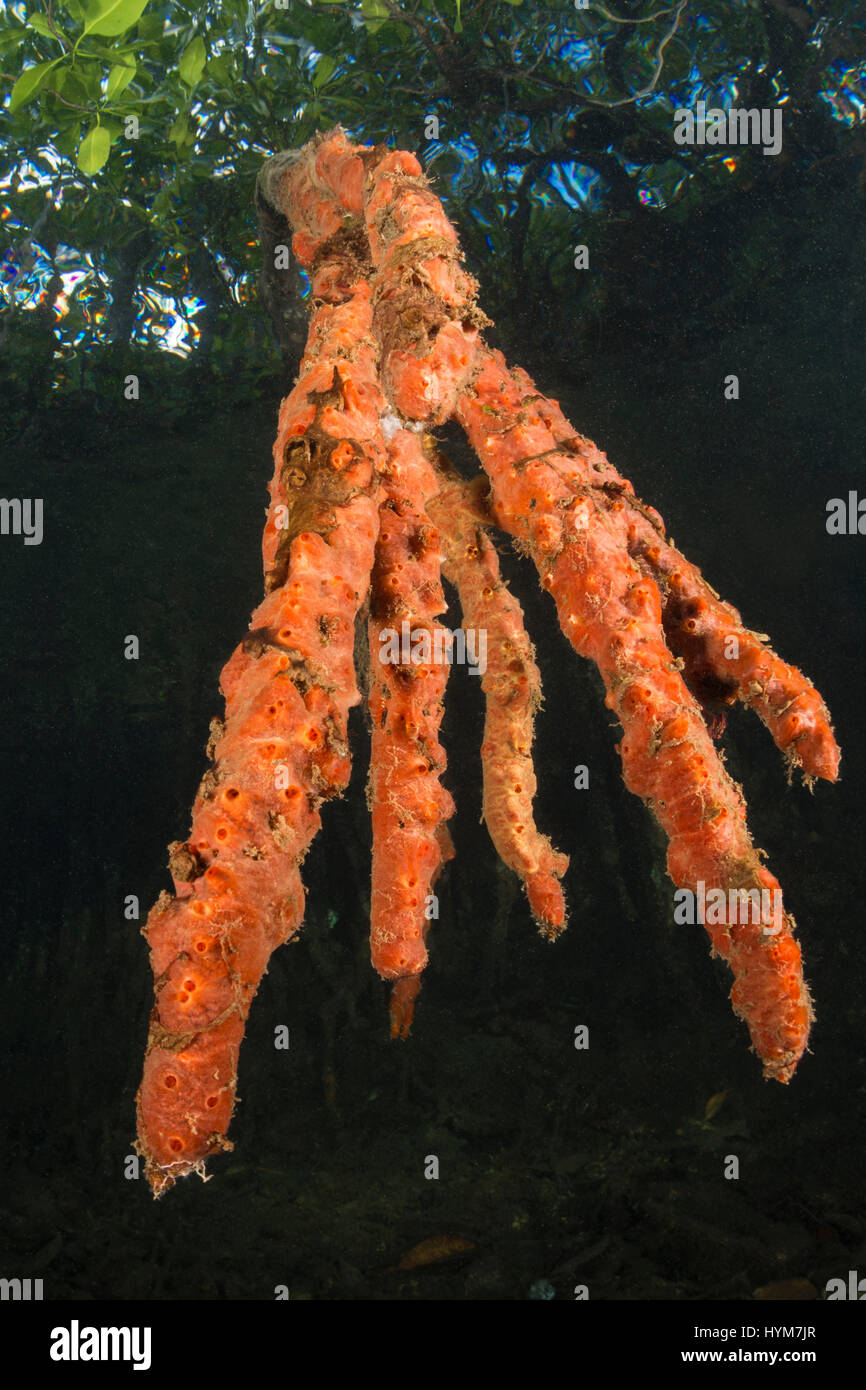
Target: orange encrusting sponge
282, 748
612, 613
512, 689
602, 554
361, 505
409, 665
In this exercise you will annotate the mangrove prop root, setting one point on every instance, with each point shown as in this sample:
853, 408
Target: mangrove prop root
512, 691
408, 803
282, 747
582, 525
364, 515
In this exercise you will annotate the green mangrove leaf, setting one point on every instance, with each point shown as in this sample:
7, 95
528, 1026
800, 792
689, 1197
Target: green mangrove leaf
68, 82
150, 27
10, 38
179, 130
375, 15
91, 76
93, 150
39, 22
30, 82
112, 17
119, 79
66, 141
192, 63
324, 70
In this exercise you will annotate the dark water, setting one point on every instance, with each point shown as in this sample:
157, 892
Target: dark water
562, 1167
